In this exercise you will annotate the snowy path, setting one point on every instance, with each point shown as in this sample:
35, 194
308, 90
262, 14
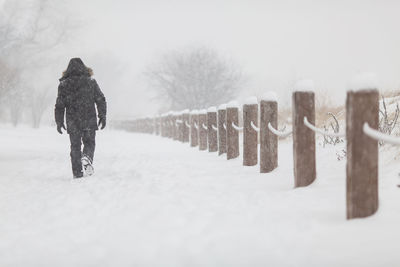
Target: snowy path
156, 202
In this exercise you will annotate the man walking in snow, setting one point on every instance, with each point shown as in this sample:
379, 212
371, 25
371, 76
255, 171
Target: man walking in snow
78, 94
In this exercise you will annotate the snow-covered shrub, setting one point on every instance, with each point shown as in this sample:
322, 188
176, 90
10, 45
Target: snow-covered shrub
387, 125
333, 125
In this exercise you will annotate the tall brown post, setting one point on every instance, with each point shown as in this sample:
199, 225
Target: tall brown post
362, 153
172, 125
303, 138
154, 125
162, 124
157, 122
202, 130
186, 129
169, 125
166, 124
141, 125
150, 126
212, 129
250, 140
232, 135
180, 126
194, 132
175, 131
268, 140
221, 129
154, 122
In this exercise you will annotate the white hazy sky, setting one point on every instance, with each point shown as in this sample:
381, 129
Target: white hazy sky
276, 42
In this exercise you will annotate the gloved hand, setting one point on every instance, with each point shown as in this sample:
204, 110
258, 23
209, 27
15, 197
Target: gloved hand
59, 126
102, 122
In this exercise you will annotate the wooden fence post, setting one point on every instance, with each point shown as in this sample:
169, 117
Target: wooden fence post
232, 135
152, 126
180, 126
175, 132
139, 125
250, 140
362, 153
194, 133
212, 129
221, 129
170, 128
268, 140
149, 126
132, 126
157, 124
303, 138
164, 125
185, 120
202, 130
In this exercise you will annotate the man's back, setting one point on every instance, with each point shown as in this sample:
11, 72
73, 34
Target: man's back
77, 94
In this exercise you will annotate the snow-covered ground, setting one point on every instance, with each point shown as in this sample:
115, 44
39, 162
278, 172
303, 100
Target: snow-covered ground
157, 202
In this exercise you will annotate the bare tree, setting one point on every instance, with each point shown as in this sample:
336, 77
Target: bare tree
29, 30
39, 103
8, 79
194, 78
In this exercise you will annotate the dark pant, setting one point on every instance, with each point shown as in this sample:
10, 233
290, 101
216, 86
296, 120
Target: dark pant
88, 138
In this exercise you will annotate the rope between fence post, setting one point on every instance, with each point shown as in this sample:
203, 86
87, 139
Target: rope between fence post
204, 127
315, 129
196, 126
278, 133
255, 128
224, 125
187, 125
237, 128
379, 136
214, 128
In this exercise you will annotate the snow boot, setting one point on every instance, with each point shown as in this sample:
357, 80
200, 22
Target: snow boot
87, 166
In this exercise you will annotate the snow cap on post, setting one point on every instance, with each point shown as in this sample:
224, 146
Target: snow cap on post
233, 104
270, 96
203, 111
363, 81
185, 111
222, 107
211, 109
194, 112
251, 101
304, 86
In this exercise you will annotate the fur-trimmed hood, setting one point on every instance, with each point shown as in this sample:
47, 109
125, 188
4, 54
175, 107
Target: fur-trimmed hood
76, 67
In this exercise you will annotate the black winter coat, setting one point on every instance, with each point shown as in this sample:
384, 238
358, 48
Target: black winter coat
77, 95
